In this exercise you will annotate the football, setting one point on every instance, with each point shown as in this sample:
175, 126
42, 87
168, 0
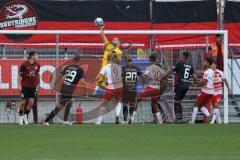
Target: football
98, 22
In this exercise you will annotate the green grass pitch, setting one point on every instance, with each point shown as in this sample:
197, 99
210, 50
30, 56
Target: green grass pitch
123, 142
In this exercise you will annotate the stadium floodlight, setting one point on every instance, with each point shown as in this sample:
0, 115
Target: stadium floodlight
224, 33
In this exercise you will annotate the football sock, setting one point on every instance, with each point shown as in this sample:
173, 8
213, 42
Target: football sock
160, 107
26, 112
215, 114
178, 110
66, 113
118, 108
131, 111
100, 115
20, 113
159, 116
218, 116
52, 114
194, 114
125, 112
205, 111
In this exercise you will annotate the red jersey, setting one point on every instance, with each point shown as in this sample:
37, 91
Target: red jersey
30, 74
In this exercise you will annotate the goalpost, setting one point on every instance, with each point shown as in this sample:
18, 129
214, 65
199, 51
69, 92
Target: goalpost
58, 34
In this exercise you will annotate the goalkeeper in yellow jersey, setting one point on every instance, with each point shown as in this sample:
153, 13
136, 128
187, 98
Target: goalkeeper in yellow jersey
110, 47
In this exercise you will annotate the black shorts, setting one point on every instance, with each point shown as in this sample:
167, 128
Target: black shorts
180, 91
129, 97
64, 99
27, 93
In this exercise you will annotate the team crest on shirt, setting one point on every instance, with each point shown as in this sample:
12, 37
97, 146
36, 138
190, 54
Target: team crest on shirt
17, 15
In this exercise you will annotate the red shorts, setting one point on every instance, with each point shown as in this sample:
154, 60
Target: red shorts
113, 93
150, 92
216, 100
204, 98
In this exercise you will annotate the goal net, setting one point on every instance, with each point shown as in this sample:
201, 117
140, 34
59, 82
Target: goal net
56, 48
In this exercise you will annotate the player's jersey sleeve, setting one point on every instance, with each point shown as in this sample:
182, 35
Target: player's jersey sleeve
177, 67
146, 71
192, 71
64, 71
222, 75
38, 69
81, 73
103, 71
205, 75
22, 69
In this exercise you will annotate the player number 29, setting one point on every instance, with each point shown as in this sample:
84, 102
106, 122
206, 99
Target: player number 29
186, 73
70, 76
131, 77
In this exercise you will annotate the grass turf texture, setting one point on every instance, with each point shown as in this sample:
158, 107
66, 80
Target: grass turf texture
134, 142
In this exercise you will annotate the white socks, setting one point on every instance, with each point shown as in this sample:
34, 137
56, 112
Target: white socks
205, 111
159, 117
194, 114
118, 109
132, 118
100, 115
216, 116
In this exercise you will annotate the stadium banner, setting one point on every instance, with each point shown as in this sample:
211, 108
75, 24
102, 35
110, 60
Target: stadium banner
117, 15
9, 75
184, 15
232, 21
73, 15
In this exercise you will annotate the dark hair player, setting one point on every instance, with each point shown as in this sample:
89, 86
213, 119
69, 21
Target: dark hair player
28, 84
183, 73
71, 74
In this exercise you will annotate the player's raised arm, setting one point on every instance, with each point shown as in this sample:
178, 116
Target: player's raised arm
102, 34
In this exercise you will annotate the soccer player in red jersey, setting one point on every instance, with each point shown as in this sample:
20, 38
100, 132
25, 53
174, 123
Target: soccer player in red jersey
207, 91
28, 85
113, 74
153, 74
218, 79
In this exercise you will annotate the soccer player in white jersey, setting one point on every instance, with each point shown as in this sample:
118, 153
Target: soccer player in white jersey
218, 79
152, 74
112, 72
207, 91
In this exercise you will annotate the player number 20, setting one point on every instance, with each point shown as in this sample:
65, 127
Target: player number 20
70, 76
131, 77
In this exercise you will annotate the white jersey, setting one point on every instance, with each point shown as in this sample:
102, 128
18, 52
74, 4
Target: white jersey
113, 74
153, 74
209, 87
218, 79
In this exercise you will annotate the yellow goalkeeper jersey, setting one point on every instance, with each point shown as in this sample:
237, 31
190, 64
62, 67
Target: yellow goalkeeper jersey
108, 48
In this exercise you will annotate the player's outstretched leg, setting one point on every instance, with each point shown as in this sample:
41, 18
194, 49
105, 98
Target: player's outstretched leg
118, 111
178, 111
102, 109
28, 110
156, 109
131, 114
21, 111
66, 113
53, 114
125, 112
